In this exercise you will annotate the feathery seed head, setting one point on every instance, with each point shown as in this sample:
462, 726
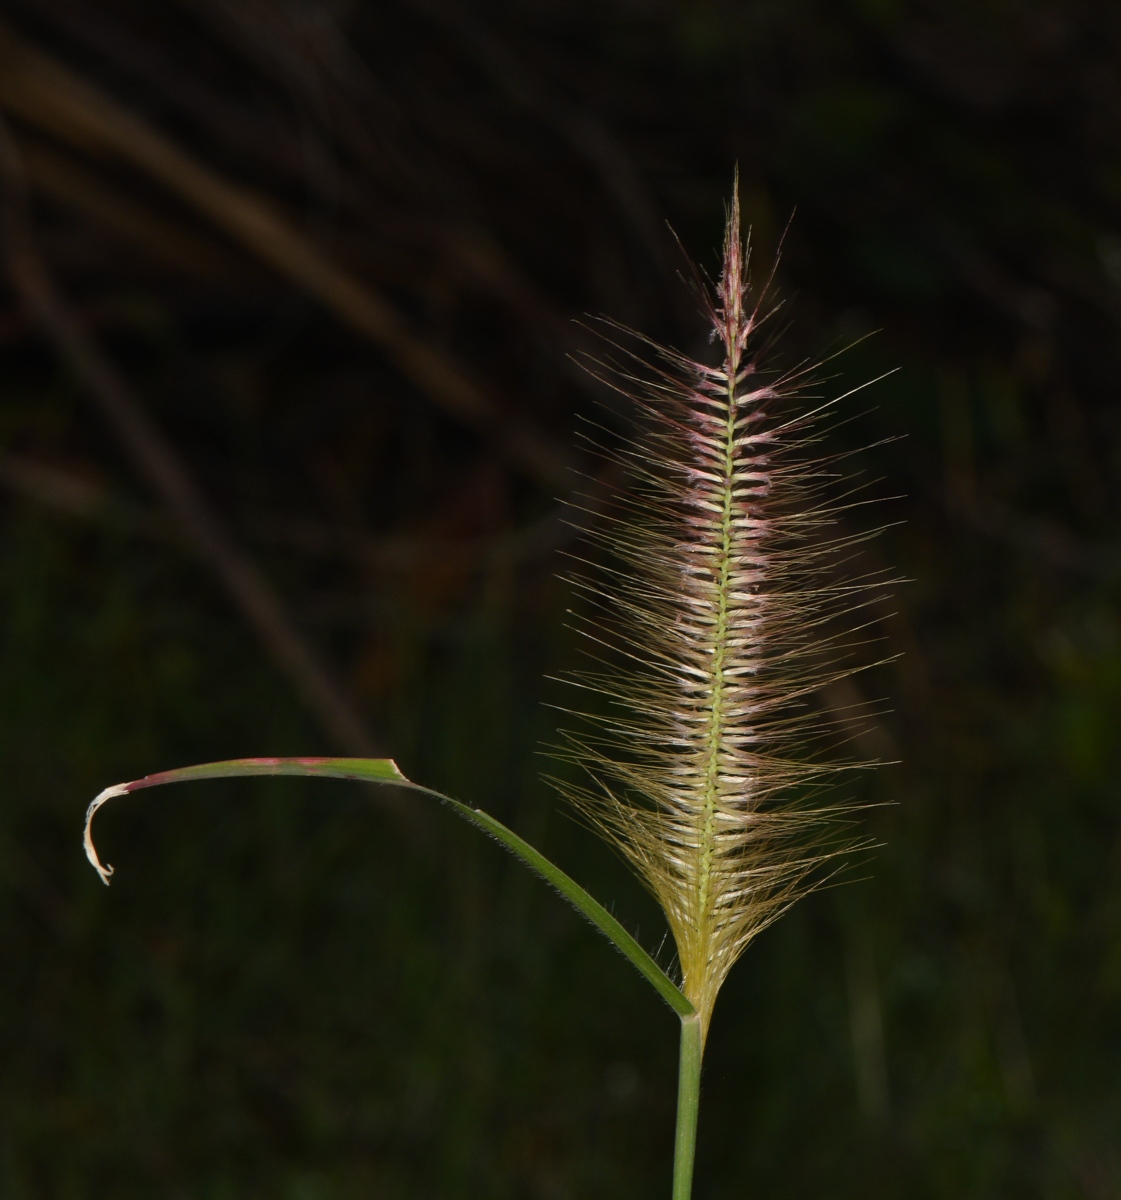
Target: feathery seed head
725, 605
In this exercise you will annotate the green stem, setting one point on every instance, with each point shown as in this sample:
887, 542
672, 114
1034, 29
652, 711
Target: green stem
688, 1102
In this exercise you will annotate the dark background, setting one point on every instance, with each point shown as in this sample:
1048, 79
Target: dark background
290, 991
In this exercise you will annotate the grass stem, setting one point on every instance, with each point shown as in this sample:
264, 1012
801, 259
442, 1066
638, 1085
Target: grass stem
688, 1101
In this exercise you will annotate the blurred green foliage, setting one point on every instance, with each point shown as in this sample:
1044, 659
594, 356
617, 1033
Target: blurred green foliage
282, 994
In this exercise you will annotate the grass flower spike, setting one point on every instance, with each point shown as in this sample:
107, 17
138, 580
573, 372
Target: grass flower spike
706, 767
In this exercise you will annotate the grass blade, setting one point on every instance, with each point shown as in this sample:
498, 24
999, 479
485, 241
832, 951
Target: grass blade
385, 770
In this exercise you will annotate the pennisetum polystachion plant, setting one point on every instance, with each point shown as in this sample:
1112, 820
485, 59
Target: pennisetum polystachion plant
725, 611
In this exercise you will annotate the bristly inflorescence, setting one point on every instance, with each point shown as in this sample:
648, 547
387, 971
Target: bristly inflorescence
727, 600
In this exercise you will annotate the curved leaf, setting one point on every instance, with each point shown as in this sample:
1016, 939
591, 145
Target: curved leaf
385, 770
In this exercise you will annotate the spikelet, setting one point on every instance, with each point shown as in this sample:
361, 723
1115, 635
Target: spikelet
707, 769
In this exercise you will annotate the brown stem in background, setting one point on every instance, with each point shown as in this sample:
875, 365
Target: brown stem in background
165, 471
355, 94
50, 96
165, 242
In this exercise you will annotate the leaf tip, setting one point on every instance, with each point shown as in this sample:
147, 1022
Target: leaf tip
103, 870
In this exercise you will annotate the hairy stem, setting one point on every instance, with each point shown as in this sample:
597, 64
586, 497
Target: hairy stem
688, 1100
